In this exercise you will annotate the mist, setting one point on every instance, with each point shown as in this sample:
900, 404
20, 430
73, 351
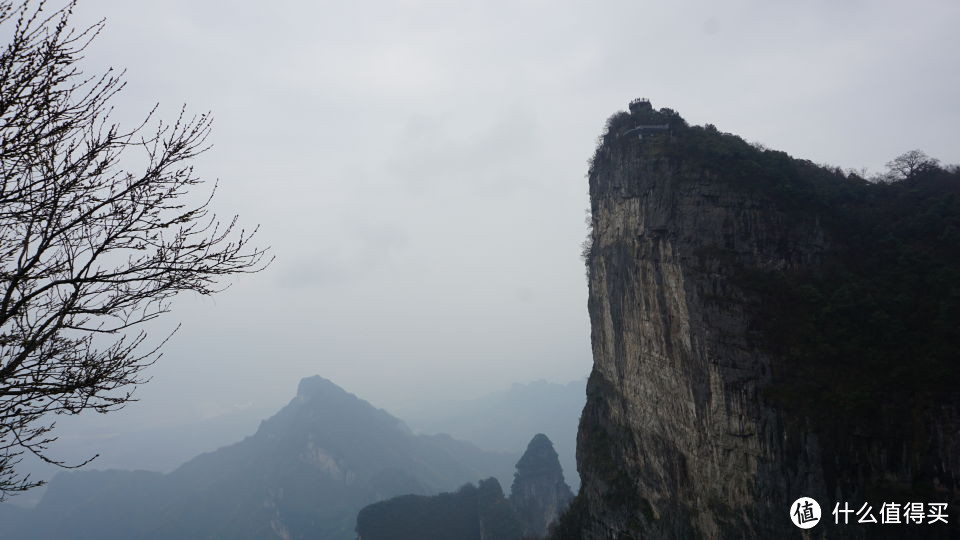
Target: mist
418, 167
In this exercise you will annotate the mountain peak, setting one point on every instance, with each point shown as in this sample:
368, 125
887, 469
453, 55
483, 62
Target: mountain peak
539, 493
317, 386
305, 473
539, 459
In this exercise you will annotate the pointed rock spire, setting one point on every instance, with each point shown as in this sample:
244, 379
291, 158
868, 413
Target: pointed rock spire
539, 493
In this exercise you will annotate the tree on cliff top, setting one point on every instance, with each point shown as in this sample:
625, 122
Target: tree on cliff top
908, 165
89, 248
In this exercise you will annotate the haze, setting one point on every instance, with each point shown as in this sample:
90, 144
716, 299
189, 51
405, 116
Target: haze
418, 167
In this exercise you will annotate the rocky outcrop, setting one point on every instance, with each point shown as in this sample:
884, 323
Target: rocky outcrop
539, 493
679, 438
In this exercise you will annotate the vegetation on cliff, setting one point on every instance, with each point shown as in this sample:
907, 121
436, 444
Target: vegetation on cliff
869, 338
867, 343
822, 306
538, 496
471, 512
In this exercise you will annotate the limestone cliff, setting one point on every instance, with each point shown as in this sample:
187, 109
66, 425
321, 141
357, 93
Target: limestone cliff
683, 435
539, 493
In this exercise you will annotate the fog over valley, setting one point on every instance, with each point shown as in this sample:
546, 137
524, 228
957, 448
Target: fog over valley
418, 167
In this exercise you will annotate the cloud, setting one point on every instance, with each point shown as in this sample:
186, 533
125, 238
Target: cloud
477, 151
348, 253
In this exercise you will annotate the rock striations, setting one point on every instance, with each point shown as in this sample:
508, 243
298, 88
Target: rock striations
681, 437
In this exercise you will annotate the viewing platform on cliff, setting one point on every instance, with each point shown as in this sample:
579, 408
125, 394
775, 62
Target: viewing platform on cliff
640, 131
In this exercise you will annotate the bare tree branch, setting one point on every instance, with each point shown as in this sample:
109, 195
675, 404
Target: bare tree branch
89, 249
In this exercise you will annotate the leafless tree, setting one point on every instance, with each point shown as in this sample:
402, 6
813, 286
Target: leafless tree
862, 173
908, 164
91, 245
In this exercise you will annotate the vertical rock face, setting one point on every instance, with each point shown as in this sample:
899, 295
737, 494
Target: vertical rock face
539, 493
677, 439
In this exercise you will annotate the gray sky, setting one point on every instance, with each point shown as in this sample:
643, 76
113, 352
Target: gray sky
418, 167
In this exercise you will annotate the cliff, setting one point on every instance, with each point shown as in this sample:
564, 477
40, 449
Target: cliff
753, 318
539, 493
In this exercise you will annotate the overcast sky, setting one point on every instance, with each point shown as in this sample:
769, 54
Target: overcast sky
418, 167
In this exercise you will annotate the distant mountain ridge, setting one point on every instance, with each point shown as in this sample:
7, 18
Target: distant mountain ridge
538, 496
304, 474
505, 420
139, 445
